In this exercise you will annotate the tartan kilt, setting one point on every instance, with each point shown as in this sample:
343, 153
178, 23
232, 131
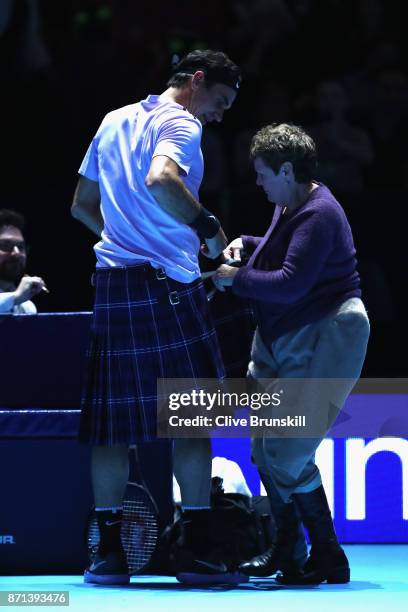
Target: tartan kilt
234, 323
139, 335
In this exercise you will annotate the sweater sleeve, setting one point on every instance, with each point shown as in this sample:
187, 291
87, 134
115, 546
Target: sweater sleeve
250, 243
308, 250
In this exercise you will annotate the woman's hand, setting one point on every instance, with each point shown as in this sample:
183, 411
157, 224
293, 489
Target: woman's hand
233, 250
224, 276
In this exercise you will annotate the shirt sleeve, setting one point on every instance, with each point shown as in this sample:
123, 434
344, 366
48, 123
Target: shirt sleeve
179, 139
308, 250
28, 307
6, 302
89, 166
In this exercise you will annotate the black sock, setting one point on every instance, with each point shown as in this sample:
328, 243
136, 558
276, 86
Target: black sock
197, 529
109, 523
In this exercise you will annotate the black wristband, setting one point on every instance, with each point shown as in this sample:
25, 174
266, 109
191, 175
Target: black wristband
205, 224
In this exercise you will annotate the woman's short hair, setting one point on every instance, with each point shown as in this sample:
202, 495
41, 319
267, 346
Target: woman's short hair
285, 142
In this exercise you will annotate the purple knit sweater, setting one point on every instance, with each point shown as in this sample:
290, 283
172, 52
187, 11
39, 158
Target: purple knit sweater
304, 266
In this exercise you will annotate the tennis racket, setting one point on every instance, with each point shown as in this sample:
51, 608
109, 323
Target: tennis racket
140, 529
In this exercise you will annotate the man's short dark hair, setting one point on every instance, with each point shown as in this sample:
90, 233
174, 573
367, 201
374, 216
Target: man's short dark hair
12, 218
216, 65
285, 142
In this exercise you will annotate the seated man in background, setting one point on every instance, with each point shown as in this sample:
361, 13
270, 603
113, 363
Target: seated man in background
16, 289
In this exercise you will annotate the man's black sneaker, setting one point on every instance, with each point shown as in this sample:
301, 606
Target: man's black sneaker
207, 570
108, 569
198, 558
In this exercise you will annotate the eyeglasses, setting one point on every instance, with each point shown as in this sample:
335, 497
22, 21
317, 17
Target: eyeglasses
7, 246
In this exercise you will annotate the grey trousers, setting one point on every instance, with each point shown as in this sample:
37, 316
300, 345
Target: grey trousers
332, 348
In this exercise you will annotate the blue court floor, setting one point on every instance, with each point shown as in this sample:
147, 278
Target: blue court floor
379, 583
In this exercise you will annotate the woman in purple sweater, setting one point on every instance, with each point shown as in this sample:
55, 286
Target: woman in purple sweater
302, 280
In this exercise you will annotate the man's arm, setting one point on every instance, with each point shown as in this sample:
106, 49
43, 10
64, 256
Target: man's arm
164, 183
6, 302
86, 205
27, 288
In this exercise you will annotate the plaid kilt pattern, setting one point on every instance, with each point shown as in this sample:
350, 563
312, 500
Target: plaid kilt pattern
234, 323
137, 336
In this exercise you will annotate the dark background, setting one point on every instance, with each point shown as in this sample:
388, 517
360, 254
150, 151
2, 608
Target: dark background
65, 64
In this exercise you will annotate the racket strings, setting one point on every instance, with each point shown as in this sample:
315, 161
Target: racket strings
139, 533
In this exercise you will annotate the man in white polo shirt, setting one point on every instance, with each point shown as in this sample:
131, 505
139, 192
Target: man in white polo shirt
138, 192
16, 288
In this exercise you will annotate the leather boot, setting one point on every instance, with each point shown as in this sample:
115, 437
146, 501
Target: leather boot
280, 556
327, 561
300, 553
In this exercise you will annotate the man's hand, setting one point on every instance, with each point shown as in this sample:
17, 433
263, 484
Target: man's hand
28, 287
213, 247
224, 276
233, 250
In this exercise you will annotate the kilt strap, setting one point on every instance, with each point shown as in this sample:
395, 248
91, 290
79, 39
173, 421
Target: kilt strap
147, 272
